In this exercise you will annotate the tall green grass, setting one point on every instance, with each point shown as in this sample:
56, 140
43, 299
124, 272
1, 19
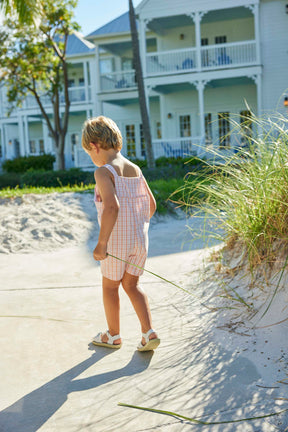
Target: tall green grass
247, 192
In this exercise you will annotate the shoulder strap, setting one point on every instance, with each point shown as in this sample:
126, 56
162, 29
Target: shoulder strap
111, 169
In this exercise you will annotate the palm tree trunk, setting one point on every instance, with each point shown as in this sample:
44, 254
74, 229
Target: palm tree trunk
141, 87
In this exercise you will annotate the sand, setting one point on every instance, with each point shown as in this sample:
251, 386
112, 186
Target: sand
215, 364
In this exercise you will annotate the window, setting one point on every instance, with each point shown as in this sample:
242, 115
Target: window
142, 142
127, 64
185, 126
17, 148
208, 128
246, 127
158, 130
204, 52
224, 129
41, 146
221, 57
74, 142
32, 146
130, 140
71, 83
81, 82
106, 66
220, 39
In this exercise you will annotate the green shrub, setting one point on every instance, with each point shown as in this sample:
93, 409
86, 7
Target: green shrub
166, 172
11, 180
178, 161
142, 163
25, 163
71, 177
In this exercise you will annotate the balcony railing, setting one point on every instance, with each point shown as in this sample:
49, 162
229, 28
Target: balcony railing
226, 55
118, 80
178, 147
76, 95
167, 62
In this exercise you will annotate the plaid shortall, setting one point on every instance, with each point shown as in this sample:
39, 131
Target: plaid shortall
129, 237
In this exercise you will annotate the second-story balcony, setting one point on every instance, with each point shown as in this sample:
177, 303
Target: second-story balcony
77, 95
120, 80
220, 56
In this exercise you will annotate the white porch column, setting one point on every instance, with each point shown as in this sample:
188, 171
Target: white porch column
200, 85
255, 10
85, 72
21, 136
142, 45
45, 136
98, 77
258, 81
2, 141
197, 17
26, 136
93, 85
163, 116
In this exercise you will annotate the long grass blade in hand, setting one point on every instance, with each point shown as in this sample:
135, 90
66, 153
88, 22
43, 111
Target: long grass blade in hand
193, 420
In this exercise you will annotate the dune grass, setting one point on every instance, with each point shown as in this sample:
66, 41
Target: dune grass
248, 192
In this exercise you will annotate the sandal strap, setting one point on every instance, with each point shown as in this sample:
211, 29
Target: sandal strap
146, 335
111, 339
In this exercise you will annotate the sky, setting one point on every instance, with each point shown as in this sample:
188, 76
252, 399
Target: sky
92, 14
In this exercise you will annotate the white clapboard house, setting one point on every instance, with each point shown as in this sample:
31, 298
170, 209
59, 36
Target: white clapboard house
203, 62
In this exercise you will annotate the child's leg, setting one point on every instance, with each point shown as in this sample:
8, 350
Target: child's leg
112, 307
139, 301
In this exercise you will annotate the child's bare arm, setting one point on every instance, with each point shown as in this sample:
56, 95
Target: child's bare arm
110, 211
153, 204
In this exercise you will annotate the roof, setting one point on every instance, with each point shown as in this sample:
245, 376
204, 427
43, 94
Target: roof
118, 25
76, 44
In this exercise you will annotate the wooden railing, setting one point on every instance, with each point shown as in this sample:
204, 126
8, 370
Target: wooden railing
118, 80
175, 147
166, 62
226, 55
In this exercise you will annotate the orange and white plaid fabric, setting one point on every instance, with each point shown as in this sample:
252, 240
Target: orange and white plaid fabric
129, 237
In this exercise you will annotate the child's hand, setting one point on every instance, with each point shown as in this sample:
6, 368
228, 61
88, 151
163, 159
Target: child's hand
100, 252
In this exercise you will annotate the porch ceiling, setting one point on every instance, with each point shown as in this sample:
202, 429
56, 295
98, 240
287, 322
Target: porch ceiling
181, 87
227, 14
172, 88
125, 102
120, 48
229, 82
158, 25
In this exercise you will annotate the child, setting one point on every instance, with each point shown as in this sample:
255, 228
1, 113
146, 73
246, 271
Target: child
124, 204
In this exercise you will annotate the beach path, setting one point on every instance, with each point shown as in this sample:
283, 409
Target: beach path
53, 379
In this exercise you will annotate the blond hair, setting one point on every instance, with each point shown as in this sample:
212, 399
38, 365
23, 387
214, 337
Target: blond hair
103, 131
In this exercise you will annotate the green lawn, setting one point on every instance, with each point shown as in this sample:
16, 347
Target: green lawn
162, 189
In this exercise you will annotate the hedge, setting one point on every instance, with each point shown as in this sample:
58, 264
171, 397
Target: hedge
71, 177
25, 163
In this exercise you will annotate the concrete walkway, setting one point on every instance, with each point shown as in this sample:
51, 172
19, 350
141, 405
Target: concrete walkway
53, 379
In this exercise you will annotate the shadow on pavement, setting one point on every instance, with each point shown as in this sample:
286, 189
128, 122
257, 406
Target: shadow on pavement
29, 413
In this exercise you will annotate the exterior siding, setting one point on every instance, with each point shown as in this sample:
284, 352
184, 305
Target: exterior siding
274, 47
161, 8
235, 30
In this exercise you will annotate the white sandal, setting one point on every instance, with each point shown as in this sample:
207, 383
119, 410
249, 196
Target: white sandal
97, 340
151, 344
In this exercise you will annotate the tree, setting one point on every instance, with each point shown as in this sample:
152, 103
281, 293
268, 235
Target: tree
141, 87
33, 61
26, 11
